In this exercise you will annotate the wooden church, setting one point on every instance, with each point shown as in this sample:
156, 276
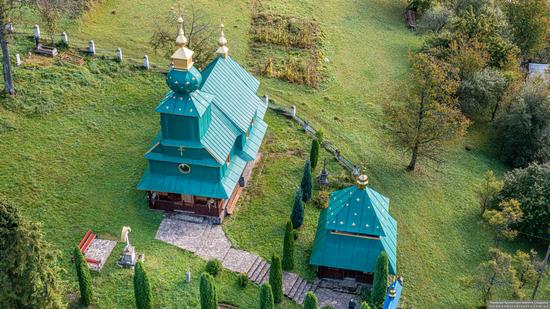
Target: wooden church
352, 232
211, 130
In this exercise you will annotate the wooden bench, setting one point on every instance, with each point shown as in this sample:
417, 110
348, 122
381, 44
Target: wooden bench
85, 244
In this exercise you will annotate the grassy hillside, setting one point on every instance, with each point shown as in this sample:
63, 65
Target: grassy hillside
76, 168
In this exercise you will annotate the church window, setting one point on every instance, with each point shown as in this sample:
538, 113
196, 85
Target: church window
184, 168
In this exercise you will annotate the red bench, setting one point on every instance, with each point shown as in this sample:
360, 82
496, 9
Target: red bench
86, 241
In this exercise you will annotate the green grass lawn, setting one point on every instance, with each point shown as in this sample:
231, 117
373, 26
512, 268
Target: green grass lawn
77, 167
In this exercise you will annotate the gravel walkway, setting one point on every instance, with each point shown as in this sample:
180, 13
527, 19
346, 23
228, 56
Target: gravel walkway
208, 241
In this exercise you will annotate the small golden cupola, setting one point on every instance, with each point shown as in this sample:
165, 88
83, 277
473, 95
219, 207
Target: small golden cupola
222, 43
183, 56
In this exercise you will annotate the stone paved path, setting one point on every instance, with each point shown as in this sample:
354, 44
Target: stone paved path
208, 241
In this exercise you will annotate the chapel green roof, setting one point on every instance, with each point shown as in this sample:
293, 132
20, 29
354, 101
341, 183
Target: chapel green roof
344, 237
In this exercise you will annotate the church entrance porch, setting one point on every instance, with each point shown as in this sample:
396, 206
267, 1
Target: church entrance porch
180, 202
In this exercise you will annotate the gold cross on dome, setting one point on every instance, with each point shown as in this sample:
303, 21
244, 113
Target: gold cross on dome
181, 149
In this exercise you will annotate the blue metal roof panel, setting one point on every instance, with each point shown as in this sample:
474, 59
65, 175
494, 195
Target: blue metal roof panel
255, 139
192, 104
220, 137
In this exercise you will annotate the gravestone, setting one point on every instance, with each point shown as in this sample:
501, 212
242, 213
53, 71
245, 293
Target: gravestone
128, 256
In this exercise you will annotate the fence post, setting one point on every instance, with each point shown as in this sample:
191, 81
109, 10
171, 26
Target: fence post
36, 31
10, 28
91, 47
119, 54
17, 59
293, 111
146, 62
65, 38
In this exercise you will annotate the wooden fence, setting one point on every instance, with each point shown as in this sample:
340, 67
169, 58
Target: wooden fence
117, 55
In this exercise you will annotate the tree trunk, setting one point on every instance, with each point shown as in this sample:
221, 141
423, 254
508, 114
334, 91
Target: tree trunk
412, 164
542, 270
6, 64
494, 112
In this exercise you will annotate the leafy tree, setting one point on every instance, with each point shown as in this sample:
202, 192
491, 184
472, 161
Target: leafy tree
197, 28
380, 281
288, 247
420, 6
50, 15
314, 153
8, 8
496, 273
435, 19
209, 297
482, 92
276, 279
297, 215
523, 130
28, 271
84, 277
525, 265
142, 289
430, 117
503, 220
310, 302
530, 186
488, 190
530, 24
306, 185
266, 297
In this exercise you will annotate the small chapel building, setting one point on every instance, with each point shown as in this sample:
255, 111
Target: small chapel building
211, 130
352, 232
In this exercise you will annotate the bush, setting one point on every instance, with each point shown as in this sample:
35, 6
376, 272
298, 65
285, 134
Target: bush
530, 186
321, 199
365, 305
310, 302
266, 297
142, 289
435, 19
522, 131
288, 247
482, 92
214, 267
84, 277
276, 279
380, 282
242, 279
209, 297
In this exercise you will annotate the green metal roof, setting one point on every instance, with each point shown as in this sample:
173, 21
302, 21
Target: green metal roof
220, 137
235, 94
195, 186
192, 104
359, 212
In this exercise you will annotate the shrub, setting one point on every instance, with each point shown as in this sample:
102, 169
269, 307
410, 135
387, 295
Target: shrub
314, 153
530, 186
213, 267
482, 92
380, 282
242, 279
209, 297
310, 302
297, 215
84, 277
142, 289
321, 200
266, 297
365, 305
276, 279
306, 184
288, 247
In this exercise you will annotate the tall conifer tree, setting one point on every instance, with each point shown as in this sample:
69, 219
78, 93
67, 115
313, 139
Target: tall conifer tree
297, 215
288, 247
84, 277
276, 279
209, 297
306, 185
